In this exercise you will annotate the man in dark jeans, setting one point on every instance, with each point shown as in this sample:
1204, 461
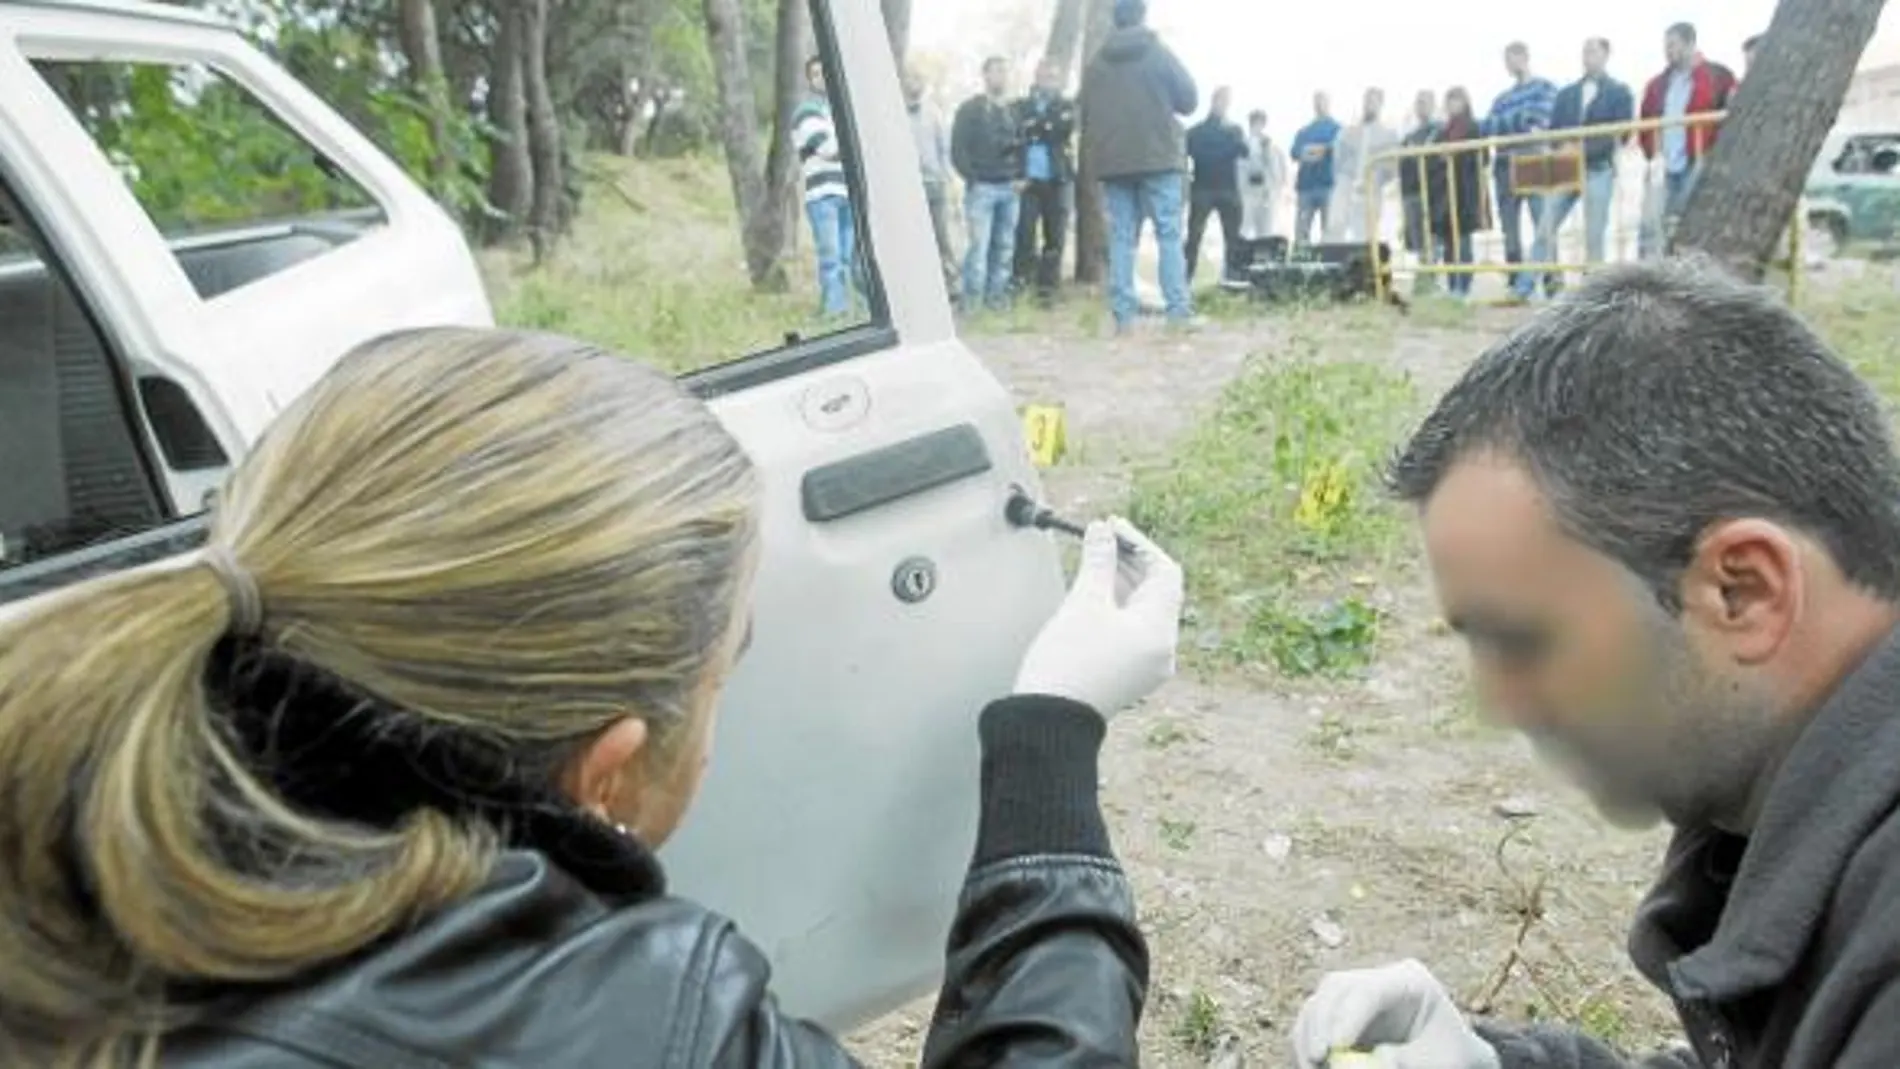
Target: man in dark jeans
1216, 144
1048, 124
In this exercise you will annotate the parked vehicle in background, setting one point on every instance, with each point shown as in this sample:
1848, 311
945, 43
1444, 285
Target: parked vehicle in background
189, 238
1853, 192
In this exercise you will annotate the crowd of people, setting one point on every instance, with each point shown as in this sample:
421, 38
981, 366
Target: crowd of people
1017, 161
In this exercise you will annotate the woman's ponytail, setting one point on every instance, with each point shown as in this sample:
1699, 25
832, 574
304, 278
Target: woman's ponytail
137, 851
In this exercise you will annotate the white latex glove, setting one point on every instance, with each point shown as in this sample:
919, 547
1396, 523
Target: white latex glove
1399, 1014
1112, 641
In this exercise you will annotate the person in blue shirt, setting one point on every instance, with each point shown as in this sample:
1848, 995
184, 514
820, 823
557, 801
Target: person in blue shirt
1524, 108
1313, 149
1593, 100
1047, 121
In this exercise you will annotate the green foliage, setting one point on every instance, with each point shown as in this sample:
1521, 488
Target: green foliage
1861, 319
655, 271
200, 151
1199, 1028
1333, 638
350, 68
197, 150
1275, 508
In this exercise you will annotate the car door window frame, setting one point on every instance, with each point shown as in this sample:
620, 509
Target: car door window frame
800, 355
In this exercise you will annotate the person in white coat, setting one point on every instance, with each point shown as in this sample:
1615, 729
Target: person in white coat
1359, 145
1262, 180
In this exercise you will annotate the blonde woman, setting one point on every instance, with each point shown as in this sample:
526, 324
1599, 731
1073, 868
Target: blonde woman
376, 778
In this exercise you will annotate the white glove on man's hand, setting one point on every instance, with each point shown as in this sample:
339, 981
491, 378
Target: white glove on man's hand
1398, 1013
1112, 641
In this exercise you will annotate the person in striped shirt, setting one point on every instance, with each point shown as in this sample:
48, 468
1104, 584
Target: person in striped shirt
1522, 109
827, 194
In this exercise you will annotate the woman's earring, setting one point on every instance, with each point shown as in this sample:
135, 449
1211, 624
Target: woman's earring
622, 829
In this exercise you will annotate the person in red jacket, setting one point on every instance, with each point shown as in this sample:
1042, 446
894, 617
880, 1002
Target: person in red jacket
1690, 85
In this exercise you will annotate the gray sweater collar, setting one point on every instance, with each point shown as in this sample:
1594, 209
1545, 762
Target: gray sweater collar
1772, 891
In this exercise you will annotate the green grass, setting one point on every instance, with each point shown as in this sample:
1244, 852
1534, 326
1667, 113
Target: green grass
1272, 584
1861, 320
654, 269
1177, 834
1199, 1028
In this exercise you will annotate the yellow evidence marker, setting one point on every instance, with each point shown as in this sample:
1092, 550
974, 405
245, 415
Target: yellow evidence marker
1347, 1058
1323, 495
1046, 430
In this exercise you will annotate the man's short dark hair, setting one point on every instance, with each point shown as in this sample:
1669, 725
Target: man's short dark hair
1517, 48
1659, 398
1256, 115
994, 63
1684, 32
1130, 13
1600, 42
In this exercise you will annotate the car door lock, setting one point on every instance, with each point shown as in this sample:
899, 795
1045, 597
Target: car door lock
914, 580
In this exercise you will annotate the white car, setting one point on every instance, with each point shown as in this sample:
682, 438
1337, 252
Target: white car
150, 328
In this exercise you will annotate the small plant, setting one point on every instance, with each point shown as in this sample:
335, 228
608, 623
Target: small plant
1177, 834
1334, 737
1199, 1028
1604, 1020
1167, 733
1333, 639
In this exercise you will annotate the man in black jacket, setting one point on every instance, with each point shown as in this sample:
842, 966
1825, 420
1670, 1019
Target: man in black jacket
1048, 124
1666, 520
1216, 146
986, 149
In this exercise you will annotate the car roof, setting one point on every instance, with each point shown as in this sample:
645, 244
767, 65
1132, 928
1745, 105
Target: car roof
135, 9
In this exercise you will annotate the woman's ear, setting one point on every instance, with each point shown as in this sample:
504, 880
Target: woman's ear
597, 778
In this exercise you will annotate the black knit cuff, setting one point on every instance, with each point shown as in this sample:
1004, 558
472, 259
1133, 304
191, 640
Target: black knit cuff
1039, 780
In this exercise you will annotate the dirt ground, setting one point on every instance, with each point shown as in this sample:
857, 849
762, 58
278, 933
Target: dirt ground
1276, 832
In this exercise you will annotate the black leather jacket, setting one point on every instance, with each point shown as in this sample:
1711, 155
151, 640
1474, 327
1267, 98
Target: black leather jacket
574, 957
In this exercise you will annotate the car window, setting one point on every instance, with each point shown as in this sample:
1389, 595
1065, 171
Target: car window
733, 273
75, 475
1869, 154
238, 194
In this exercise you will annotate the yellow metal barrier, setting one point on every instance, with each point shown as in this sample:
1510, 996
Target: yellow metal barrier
1441, 228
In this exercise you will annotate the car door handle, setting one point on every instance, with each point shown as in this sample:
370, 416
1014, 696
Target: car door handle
881, 476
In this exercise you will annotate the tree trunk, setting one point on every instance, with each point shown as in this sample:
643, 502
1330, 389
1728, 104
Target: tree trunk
897, 25
422, 47
1752, 179
739, 134
511, 174
544, 130
768, 231
1065, 36
1091, 216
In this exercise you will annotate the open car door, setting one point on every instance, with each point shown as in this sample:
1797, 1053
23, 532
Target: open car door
893, 603
893, 599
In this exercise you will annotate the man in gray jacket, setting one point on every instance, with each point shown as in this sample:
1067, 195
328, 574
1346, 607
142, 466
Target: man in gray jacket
1134, 92
1666, 520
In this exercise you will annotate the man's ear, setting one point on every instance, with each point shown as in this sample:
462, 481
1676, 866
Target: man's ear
1744, 586
598, 776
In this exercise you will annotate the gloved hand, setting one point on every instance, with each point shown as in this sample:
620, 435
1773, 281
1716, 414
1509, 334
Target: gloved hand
1112, 641
1399, 1013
